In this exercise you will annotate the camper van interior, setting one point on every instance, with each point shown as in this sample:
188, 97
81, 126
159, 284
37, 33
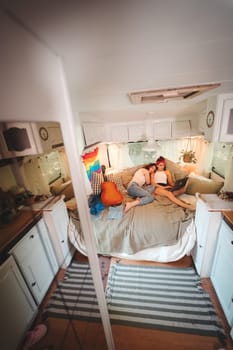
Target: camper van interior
91, 95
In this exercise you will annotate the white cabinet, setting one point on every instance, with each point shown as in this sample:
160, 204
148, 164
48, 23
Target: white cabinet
17, 307
36, 260
162, 130
222, 270
137, 132
48, 136
21, 139
207, 223
127, 132
181, 128
57, 220
118, 133
93, 132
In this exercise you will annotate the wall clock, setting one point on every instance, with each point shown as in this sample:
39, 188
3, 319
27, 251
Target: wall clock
43, 133
210, 119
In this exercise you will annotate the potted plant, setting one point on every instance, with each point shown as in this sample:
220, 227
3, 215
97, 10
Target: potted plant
188, 156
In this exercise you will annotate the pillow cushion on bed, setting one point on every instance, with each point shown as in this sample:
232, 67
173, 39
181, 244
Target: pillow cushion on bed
201, 184
127, 174
176, 170
117, 180
96, 181
65, 188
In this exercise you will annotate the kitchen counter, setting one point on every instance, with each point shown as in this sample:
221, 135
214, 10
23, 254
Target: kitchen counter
24, 220
228, 216
215, 203
12, 232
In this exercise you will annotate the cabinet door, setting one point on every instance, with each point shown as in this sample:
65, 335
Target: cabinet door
181, 128
49, 250
137, 133
222, 271
207, 226
17, 307
201, 222
33, 261
57, 220
93, 132
162, 130
119, 133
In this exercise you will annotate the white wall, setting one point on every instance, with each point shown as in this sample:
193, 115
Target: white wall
29, 86
33, 88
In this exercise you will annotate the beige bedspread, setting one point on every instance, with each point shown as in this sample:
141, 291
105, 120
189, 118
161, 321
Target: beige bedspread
156, 224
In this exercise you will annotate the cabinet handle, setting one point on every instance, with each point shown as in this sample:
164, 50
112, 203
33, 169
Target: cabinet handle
32, 236
62, 241
200, 246
231, 242
33, 284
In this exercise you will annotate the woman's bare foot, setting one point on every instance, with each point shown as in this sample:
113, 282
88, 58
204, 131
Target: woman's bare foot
130, 205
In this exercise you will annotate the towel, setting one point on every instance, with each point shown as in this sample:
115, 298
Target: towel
115, 212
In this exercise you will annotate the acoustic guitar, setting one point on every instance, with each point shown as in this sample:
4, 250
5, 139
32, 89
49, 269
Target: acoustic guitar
110, 195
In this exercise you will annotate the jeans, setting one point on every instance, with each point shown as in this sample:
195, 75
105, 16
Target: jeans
144, 193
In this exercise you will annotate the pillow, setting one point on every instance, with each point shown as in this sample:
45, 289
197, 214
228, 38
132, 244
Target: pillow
65, 188
127, 174
117, 180
176, 170
201, 184
96, 181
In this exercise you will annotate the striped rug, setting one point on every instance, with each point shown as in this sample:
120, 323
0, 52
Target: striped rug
75, 297
169, 299
163, 298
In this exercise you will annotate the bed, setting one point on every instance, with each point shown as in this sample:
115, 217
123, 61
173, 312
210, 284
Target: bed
160, 231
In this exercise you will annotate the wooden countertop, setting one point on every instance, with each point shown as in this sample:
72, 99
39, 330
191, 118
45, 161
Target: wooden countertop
12, 232
229, 216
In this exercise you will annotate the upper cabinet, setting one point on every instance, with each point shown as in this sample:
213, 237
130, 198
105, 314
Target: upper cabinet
137, 131
162, 130
93, 132
21, 139
126, 132
181, 128
216, 121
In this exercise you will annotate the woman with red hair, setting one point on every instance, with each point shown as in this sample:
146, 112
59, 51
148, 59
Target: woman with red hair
165, 186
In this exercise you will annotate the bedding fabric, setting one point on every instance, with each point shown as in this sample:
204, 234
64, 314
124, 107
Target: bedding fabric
160, 223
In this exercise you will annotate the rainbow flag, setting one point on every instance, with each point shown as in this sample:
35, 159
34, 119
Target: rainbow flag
91, 162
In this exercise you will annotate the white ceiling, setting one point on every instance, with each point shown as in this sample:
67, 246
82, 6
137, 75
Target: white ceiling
110, 48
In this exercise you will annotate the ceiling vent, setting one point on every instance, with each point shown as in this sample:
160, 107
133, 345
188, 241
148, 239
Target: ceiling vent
165, 95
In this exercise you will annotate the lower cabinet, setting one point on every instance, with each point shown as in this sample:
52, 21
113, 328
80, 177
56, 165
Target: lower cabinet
57, 220
207, 224
17, 307
222, 271
36, 260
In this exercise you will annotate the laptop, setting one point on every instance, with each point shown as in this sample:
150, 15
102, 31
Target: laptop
178, 184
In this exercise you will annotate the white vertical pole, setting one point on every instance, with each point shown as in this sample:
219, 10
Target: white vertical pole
76, 169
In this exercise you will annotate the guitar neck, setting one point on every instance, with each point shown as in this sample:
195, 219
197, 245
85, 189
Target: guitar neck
103, 169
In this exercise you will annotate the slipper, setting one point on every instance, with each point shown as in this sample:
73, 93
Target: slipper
35, 335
